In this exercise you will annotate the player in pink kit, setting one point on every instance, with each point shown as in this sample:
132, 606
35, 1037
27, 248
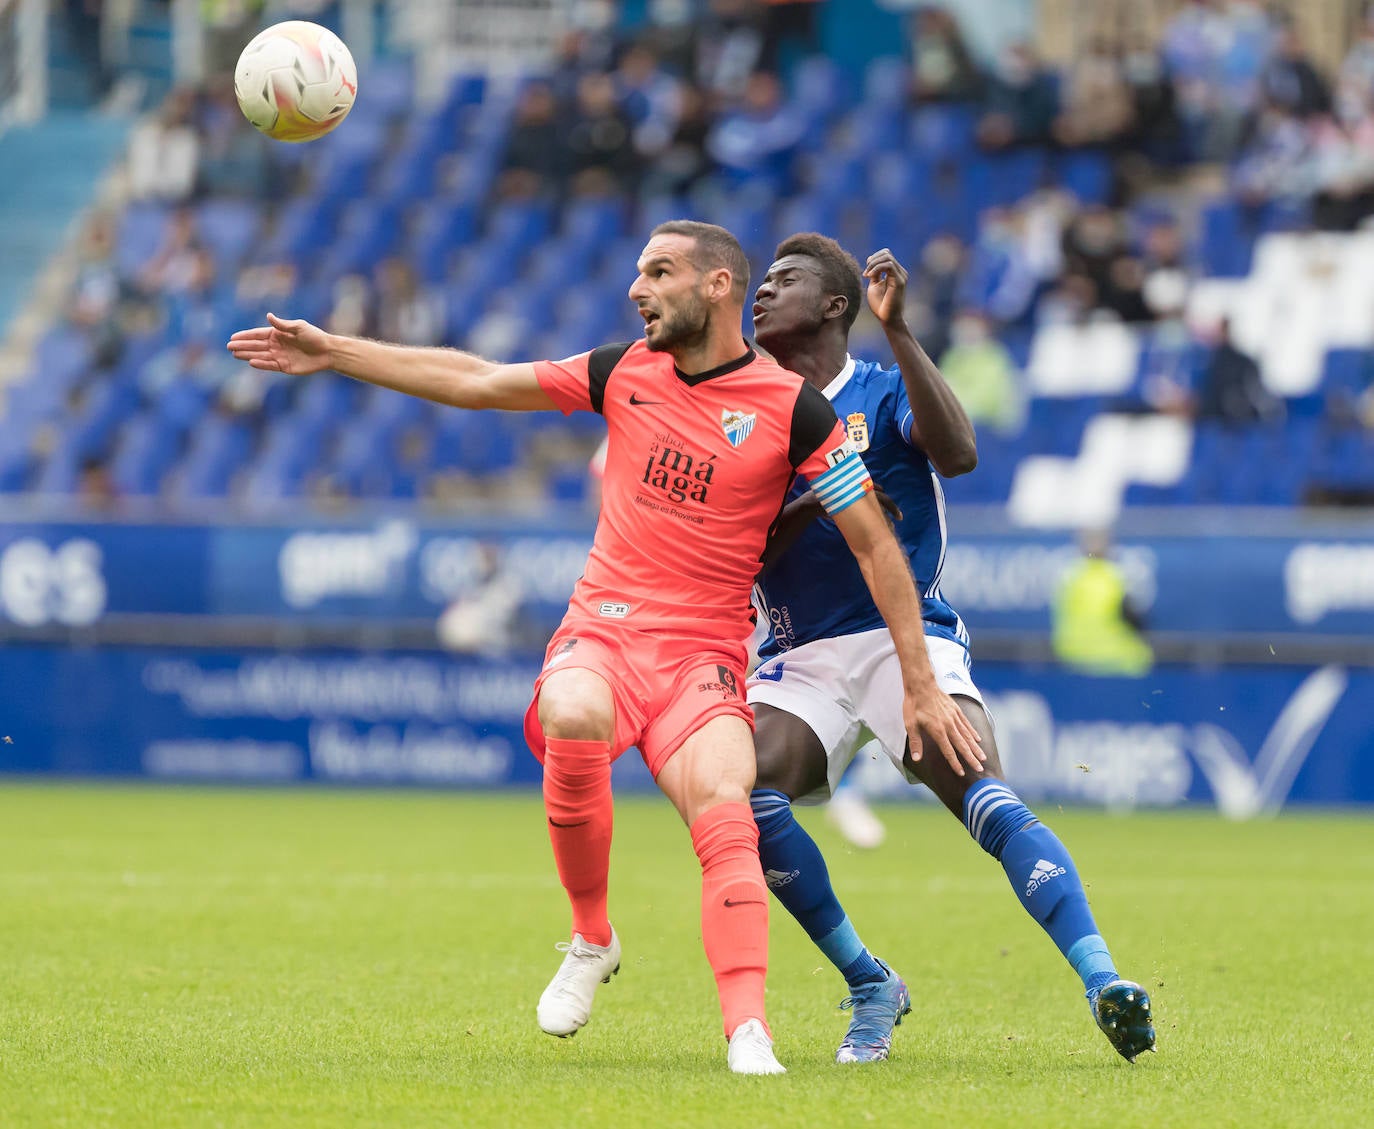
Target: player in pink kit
705, 438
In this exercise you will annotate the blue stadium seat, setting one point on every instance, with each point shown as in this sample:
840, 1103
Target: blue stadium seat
1346, 375
515, 227
1055, 426
17, 461
369, 231
141, 457
819, 88
219, 448
229, 229
142, 229
593, 223
1227, 242
299, 230
943, 131
390, 91
1087, 173
61, 356
181, 406
437, 229
476, 443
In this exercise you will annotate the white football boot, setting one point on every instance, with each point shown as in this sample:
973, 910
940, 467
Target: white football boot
751, 1050
566, 1004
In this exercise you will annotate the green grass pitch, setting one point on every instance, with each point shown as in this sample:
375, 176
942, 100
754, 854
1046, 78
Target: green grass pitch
186, 957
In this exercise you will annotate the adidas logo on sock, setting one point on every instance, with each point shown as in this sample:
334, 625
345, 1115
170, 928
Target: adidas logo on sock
1043, 872
776, 878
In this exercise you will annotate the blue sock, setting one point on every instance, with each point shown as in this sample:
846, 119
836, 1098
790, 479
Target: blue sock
795, 871
1042, 873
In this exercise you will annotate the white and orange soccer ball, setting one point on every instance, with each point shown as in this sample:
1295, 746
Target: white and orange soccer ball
295, 81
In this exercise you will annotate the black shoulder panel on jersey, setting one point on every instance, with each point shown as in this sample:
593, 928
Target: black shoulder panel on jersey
813, 419
599, 366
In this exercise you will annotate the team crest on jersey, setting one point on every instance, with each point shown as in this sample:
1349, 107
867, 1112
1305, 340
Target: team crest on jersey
737, 425
856, 423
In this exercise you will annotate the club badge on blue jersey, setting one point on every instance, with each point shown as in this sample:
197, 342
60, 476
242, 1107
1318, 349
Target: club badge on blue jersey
856, 423
737, 425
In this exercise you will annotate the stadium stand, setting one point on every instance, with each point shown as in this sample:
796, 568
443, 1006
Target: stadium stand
504, 216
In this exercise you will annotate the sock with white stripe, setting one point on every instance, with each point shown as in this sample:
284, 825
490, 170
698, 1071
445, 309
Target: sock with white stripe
795, 871
1042, 874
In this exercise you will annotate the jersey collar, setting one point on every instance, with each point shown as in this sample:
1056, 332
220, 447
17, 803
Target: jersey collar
720, 370
833, 389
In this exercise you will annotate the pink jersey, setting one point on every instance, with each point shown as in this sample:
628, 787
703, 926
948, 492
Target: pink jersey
697, 471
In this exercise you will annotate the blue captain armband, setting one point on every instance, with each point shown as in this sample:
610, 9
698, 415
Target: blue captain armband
844, 483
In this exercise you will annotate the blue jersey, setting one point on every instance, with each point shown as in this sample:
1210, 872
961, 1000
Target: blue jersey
815, 590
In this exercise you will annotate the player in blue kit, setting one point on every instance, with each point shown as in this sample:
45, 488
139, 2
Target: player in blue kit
827, 682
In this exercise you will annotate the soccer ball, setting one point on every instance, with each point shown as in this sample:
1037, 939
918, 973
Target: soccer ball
295, 81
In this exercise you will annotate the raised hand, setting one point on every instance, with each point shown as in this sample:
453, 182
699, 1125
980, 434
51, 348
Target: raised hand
886, 286
294, 347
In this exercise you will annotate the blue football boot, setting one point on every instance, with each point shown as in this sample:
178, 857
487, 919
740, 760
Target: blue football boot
878, 1009
1122, 1010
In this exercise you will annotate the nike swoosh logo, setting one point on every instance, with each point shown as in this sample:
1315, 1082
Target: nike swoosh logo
555, 823
637, 402
744, 902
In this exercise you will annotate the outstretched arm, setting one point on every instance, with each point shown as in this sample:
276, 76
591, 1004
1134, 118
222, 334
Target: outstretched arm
929, 713
939, 424
446, 376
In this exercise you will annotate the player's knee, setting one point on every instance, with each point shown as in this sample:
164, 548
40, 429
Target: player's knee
577, 705
710, 793
576, 718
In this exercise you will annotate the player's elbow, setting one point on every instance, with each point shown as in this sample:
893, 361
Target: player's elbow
960, 460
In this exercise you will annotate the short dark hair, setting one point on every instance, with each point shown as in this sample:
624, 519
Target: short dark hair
840, 272
715, 248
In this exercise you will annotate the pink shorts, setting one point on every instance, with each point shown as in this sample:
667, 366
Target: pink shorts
665, 686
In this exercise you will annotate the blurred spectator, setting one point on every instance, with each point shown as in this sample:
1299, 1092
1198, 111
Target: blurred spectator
684, 161
233, 159
178, 264
266, 285
1290, 81
164, 151
95, 488
1342, 162
582, 51
97, 292
729, 46
980, 370
791, 27
352, 311
1214, 50
759, 141
1019, 100
483, 619
1157, 131
1231, 390
1357, 69
1096, 105
651, 97
942, 67
1097, 629
1167, 276
1271, 162
537, 158
602, 157
407, 313
931, 291
1095, 249
1001, 277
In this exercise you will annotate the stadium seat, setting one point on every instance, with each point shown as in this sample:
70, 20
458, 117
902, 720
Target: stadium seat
219, 447
229, 229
